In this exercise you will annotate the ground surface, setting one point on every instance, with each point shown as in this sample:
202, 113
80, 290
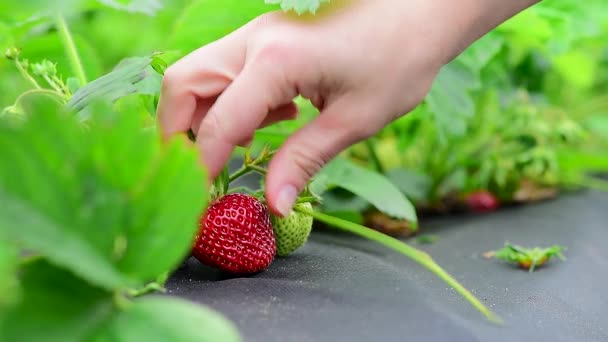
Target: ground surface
343, 288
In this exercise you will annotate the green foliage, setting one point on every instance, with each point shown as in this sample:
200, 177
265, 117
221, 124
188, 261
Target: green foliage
141, 75
367, 184
101, 202
449, 99
8, 280
168, 319
107, 209
299, 6
90, 313
46, 288
104, 207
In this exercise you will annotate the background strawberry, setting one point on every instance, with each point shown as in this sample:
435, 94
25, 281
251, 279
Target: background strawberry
292, 232
236, 235
482, 201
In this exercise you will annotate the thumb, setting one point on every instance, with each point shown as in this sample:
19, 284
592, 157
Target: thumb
340, 125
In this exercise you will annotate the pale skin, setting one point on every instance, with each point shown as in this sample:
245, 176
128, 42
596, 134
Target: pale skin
362, 63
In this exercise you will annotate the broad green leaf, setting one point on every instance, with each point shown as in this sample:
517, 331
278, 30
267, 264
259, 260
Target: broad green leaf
166, 319
374, 187
42, 234
414, 184
55, 306
336, 201
58, 306
449, 99
132, 75
299, 6
111, 202
479, 54
8, 274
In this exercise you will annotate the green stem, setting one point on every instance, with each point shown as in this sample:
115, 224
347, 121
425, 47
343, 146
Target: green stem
53, 84
258, 169
371, 148
59, 98
27, 75
121, 301
245, 169
148, 288
61, 84
70, 49
238, 173
420, 257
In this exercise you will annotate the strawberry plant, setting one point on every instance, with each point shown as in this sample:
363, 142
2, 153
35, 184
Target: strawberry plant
97, 211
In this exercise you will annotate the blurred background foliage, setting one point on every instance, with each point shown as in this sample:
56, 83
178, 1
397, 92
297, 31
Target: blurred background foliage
521, 113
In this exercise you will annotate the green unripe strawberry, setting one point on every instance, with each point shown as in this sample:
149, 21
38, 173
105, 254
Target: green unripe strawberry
292, 232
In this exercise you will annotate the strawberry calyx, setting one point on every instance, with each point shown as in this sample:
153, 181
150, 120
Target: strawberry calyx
529, 258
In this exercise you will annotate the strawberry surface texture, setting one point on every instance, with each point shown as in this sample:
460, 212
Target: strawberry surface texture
236, 235
291, 232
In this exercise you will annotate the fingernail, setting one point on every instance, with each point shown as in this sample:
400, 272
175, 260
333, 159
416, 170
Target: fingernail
285, 200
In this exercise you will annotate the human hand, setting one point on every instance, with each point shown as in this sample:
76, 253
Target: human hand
362, 63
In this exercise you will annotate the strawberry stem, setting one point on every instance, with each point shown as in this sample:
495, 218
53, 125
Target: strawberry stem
258, 169
420, 257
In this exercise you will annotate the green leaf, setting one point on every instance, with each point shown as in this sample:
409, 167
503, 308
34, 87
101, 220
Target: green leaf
56, 306
8, 274
415, 185
112, 203
132, 75
450, 100
374, 187
168, 319
299, 6
479, 54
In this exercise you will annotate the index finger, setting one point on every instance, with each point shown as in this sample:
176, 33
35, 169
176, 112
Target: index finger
204, 73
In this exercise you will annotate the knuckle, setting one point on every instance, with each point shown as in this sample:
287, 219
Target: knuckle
273, 49
309, 160
171, 78
214, 126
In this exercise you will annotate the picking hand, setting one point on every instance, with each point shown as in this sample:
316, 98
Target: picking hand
362, 63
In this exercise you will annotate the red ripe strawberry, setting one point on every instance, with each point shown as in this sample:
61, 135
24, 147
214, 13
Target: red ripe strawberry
236, 235
482, 201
